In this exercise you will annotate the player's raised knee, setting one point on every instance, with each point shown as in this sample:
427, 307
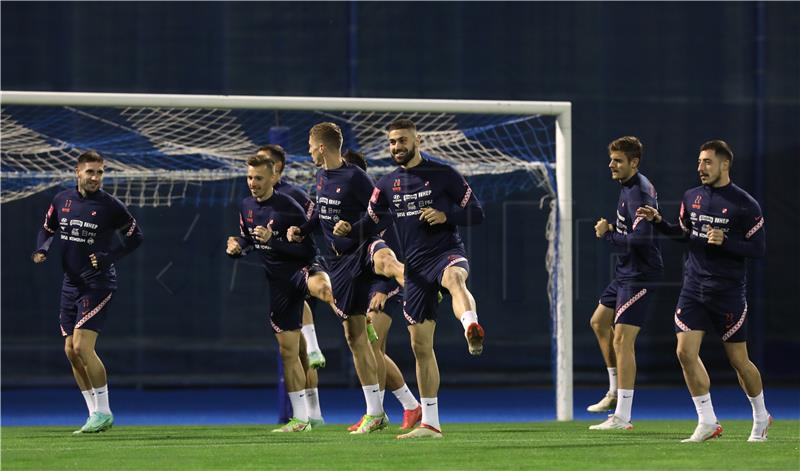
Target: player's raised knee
454, 278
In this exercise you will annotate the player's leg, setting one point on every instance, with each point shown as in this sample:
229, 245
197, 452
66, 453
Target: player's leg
454, 279
699, 385
750, 380
67, 317
386, 264
295, 379
602, 324
624, 342
427, 380
81, 379
83, 344
355, 331
319, 286
92, 307
315, 357
412, 411
311, 387
380, 322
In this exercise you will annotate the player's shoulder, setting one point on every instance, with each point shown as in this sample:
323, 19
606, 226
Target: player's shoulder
645, 188
107, 198
692, 192
745, 198
387, 179
247, 202
65, 194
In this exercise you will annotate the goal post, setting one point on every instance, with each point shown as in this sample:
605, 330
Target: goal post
26, 173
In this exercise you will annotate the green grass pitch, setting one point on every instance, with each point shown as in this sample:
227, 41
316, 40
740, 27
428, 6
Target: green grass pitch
482, 446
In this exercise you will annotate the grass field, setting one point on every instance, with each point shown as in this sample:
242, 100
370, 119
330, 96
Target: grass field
651, 445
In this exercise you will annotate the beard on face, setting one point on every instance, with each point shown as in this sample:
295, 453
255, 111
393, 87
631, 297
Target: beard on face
410, 153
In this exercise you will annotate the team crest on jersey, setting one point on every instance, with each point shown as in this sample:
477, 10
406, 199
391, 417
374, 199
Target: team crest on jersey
396, 185
67, 205
94, 213
338, 190
697, 200
427, 183
724, 210
250, 216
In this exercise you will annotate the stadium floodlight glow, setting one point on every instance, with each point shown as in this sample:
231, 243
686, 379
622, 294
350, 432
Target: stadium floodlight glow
156, 146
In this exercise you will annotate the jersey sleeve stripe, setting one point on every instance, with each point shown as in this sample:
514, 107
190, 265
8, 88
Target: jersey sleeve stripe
755, 228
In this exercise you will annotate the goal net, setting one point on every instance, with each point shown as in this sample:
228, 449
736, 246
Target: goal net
161, 149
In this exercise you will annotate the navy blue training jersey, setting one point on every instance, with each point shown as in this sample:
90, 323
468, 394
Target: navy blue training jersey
642, 259
278, 212
298, 194
711, 267
86, 225
342, 194
400, 196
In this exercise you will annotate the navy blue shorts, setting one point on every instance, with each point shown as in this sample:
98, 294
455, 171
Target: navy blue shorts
287, 297
725, 312
629, 300
421, 295
352, 277
82, 307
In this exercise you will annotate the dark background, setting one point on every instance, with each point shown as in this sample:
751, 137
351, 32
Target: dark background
674, 74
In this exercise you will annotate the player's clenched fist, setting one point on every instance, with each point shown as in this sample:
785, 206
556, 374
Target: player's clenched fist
38, 257
293, 234
342, 228
602, 227
716, 236
432, 216
233, 246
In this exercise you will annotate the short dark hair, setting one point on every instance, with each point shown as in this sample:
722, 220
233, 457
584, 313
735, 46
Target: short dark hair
630, 146
356, 158
276, 152
260, 159
329, 133
402, 123
90, 156
720, 148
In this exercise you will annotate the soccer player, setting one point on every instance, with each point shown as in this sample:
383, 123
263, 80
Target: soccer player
87, 220
343, 193
623, 304
385, 299
314, 359
426, 201
263, 220
723, 227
